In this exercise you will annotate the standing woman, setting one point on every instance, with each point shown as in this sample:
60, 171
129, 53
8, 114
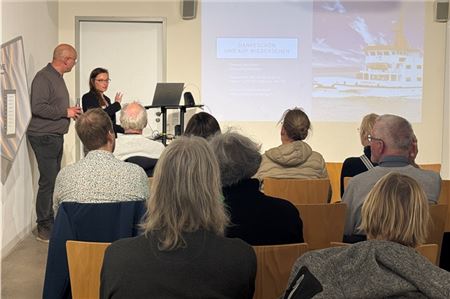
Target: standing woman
95, 98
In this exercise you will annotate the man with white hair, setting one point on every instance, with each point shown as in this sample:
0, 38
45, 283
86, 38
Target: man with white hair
393, 146
133, 118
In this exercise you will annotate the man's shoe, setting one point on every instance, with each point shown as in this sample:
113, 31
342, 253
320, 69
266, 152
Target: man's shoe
43, 233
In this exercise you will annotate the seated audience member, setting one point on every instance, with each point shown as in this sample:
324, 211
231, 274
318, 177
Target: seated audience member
99, 177
133, 119
395, 217
203, 125
294, 158
355, 165
391, 141
183, 253
255, 218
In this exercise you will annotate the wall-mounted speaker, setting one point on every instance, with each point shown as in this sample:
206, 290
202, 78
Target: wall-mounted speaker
441, 11
188, 9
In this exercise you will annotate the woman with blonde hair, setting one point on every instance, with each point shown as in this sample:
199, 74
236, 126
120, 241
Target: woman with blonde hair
182, 253
355, 165
294, 158
395, 218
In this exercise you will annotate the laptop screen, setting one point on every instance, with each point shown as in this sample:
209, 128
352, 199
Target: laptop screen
167, 94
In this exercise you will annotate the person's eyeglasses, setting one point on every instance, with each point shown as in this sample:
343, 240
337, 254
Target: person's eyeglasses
104, 81
74, 59
370, 138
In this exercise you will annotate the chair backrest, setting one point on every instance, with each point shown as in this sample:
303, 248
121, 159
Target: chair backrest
85, 261
334, 174
436, 227
298, 191
430, 251
432, 167
91, 222
444, 198
274, 267
148, 164
322, 223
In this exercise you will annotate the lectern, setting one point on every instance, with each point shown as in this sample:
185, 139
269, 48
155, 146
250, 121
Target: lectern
167, 96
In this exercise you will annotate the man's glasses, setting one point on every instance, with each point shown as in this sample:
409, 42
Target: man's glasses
370, 138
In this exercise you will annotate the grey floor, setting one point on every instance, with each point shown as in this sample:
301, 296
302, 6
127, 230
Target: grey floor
23, 270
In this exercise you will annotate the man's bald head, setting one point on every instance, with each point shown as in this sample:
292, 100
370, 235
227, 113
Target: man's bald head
64, 58
63, 51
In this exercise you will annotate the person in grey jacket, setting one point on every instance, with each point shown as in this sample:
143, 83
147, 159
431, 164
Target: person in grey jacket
393, 143
395, 217
50, 120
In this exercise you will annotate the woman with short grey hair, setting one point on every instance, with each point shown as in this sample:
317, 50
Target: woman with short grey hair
255, 218
183, 253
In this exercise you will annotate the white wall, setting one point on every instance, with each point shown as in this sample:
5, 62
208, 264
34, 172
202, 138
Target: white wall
445, 171
37, 23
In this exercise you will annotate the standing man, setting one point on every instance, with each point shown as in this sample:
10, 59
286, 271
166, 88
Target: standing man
50, 120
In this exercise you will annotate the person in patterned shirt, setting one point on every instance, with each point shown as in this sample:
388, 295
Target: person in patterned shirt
99, 177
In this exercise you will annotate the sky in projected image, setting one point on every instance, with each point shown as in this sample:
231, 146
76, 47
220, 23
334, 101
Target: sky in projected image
371, 60
337, 60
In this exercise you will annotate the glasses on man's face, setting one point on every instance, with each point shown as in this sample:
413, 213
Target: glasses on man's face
103, 80
74, 59
370, 138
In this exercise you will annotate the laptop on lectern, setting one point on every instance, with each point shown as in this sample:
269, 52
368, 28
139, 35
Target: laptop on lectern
167, 94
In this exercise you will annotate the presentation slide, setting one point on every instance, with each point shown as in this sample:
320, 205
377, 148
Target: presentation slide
338, 60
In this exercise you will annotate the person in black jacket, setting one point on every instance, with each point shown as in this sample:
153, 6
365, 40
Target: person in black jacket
355, 165
255, 218
95, 98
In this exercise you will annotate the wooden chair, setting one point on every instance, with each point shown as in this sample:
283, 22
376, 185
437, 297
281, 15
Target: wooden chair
432, 167
322, 223
274, 267
436, 226
430, 251
298, 191
334, 174
444, 198
85, 262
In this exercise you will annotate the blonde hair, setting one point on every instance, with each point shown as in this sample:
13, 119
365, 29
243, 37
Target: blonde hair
186, 193
366, 127
396, 209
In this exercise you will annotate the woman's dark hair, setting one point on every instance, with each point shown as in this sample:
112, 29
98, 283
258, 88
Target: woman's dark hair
203, 125
95, 72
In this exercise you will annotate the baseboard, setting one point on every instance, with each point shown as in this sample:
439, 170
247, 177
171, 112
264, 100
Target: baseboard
8, 248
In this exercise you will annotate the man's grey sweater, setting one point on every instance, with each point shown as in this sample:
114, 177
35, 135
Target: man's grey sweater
360, 186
